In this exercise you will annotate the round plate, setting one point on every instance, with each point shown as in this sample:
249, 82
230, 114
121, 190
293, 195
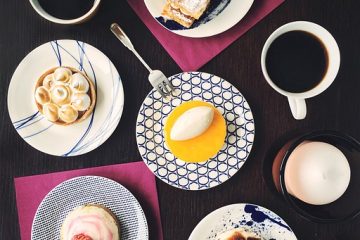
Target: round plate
249, 217
74, 139
238, 142
220, 16
84, 190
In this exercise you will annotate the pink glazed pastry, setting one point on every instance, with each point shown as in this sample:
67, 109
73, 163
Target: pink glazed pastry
90, 222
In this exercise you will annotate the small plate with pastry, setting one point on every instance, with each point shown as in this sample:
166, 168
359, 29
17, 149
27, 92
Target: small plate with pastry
74, 211
198, 18
242, 221
200, 137
65, 98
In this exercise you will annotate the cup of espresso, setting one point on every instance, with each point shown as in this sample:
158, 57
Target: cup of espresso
66, 11
300, 60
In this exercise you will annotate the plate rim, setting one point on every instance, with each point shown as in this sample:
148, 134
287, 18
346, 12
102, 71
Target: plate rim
211, 187
121, 99
199, 36
89, 176
197, 226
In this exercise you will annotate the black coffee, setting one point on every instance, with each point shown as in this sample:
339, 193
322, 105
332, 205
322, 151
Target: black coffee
297, 61
66, 9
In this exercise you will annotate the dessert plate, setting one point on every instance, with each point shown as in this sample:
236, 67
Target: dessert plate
84, 190
77, 138
220, 16
250, 217
238, 142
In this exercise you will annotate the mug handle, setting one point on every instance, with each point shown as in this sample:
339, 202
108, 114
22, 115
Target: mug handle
298, 107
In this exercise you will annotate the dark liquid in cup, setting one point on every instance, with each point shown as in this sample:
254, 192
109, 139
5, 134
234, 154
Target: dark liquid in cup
297, 61
66, 9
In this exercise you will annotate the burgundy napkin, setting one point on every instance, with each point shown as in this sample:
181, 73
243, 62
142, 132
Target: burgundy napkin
136, 177
190, 53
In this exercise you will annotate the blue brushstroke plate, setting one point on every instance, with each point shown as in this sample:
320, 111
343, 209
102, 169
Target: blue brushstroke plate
79, 191
218, 169
74, 139
220, 16
250, 217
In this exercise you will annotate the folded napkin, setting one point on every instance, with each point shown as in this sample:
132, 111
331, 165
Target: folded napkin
191, 53
136, 177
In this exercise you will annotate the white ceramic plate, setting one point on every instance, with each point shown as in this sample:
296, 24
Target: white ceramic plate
238, 142
249, 217
94, 190
220, 16
74, 139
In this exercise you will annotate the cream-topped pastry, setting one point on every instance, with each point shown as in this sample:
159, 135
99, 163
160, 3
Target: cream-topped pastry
238, 234
65, 95
192, 123
90, 222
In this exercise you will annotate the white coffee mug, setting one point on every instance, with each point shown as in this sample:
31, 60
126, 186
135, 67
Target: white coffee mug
297, 100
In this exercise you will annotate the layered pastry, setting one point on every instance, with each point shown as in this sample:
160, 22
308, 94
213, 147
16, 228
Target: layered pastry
238, 234
90, 222
185, 12
195, 131
65, 95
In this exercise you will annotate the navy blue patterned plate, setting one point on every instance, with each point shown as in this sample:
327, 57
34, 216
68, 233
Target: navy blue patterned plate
238, 143
250, 217
79, 191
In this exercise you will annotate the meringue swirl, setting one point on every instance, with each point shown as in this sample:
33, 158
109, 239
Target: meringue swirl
62, 74
68, 113
49, 81
60, 94
79, 83
42, 95
81, 101
51, 112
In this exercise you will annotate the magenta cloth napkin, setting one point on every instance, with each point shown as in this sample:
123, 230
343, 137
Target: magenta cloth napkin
136, 177
190, 53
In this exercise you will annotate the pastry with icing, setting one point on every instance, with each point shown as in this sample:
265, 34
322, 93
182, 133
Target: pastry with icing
65, 95
90, 222
185, 12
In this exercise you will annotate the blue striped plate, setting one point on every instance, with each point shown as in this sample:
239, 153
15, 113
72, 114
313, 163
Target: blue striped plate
74, 139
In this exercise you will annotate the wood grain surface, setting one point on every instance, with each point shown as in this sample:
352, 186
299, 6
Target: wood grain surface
21, 30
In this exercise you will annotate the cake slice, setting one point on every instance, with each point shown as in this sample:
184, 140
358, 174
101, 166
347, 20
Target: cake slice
177, 15
191, 8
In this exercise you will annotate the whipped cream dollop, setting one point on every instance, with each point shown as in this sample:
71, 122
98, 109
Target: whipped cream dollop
62, 74
68, 113
192, 123
81, 101
51, 112
79, 83
90, 222
42, 95
60, 94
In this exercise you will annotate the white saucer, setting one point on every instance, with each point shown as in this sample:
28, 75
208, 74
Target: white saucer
249, 217
74, 139
238, 143
220, 16
89, 190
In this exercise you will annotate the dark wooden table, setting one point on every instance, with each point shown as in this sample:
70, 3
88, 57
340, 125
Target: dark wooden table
21, 30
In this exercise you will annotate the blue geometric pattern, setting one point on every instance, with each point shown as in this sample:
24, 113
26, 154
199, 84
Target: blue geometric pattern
238, 143
80, 191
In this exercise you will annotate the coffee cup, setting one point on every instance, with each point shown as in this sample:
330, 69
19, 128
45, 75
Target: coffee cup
297, 99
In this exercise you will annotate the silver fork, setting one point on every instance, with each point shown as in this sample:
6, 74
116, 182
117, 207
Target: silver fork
157, 79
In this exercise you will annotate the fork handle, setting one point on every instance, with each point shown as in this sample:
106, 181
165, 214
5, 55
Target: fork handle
120, 34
